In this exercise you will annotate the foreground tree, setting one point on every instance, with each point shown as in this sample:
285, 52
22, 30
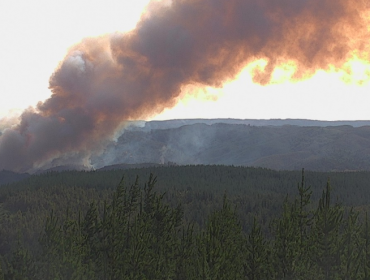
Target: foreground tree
325, 237
256, 255
220, 246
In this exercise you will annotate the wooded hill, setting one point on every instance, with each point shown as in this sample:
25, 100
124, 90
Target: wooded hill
93, 225
280, 147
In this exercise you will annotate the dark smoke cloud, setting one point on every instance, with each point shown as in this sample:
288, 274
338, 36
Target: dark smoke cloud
104, 81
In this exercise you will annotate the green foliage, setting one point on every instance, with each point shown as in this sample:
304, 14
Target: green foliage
20, 265
220, 245
256, 255
140, 232
351, 247
325, 236
365, 261
286, 246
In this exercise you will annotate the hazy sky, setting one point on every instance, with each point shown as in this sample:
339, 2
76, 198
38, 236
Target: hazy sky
35, 36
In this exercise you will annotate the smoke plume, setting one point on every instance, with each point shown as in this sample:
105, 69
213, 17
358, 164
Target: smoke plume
104, 81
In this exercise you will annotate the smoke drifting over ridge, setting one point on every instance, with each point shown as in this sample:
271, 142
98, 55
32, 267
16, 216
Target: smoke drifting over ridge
106, 80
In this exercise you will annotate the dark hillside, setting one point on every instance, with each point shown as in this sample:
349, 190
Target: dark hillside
331, 148
254, 122
7, 177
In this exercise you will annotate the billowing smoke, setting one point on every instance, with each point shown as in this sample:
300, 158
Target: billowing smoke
105, 81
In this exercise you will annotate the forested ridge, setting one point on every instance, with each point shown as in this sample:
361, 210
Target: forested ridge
282, 147
193, 222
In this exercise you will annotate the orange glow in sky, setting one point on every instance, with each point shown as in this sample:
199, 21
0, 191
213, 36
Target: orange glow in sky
334, 95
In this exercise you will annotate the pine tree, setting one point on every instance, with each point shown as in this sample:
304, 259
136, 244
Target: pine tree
1, 271
21, 265
351, 250
286, 244
325, 236
365, 262
256, 257
187, 260
305, 217
220, 246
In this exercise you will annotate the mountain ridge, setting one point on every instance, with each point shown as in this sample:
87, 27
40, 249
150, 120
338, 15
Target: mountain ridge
278, 144
238, 142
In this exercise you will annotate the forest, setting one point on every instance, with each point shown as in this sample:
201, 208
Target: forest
279, 146
186, 222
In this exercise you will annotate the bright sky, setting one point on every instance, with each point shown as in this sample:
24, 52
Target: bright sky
35, 36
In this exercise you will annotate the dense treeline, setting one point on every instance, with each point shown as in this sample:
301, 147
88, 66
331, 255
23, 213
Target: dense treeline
215, 178
259, 192
136, 235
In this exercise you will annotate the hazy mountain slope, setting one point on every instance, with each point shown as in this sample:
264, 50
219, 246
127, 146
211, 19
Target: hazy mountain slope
278, 147
255, 122
7, 177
